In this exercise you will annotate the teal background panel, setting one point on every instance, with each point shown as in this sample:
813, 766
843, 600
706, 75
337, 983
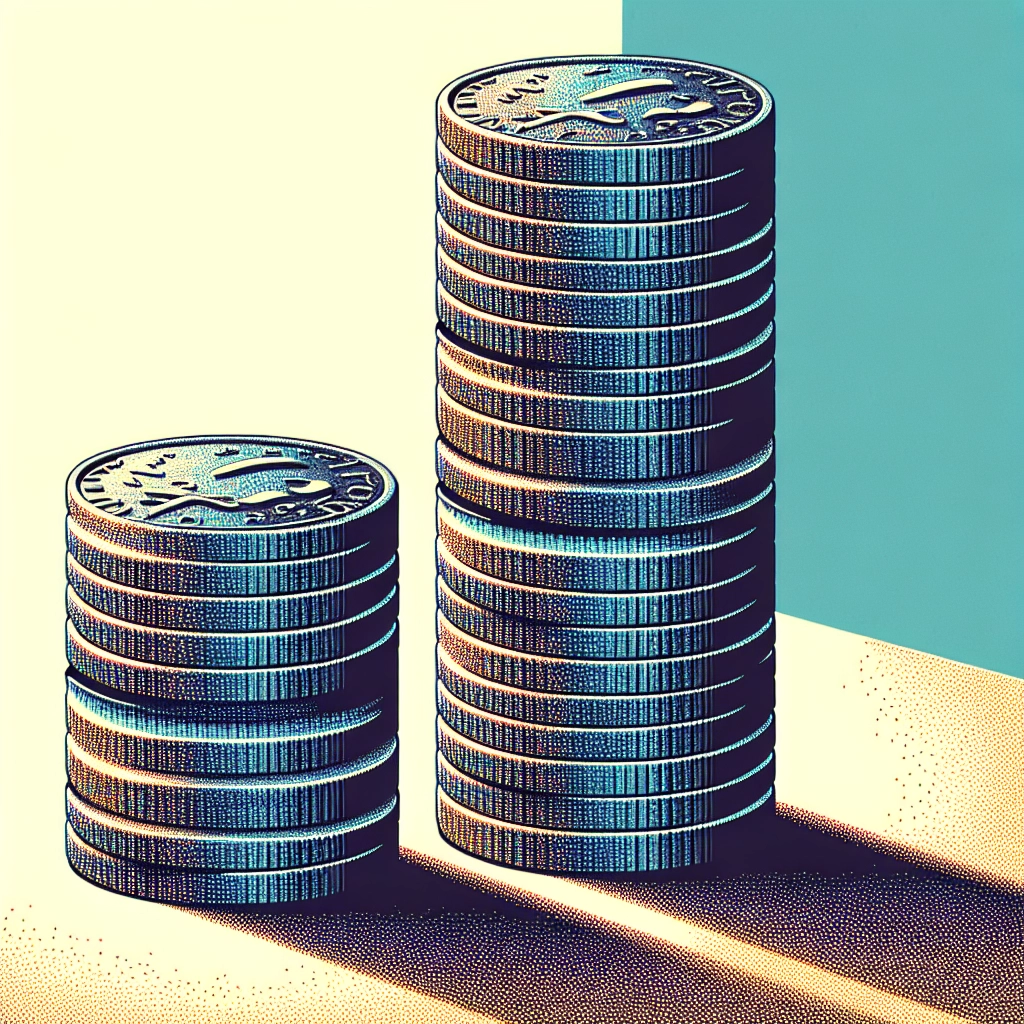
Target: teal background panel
901, 350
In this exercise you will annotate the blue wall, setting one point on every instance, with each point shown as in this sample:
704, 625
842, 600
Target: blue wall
900, 289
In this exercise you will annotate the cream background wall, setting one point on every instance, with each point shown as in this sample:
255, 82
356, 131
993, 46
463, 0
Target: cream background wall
217, 216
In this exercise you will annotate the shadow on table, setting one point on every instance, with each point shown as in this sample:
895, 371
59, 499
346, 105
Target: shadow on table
946, 942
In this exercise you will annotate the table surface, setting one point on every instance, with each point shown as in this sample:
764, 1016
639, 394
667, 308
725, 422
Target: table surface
854, 902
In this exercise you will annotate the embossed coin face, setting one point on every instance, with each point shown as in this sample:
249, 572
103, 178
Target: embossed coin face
230, 483
617, 101
235, 499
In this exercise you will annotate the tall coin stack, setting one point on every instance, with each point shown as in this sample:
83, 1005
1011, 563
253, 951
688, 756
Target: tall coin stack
606, 502
233, 682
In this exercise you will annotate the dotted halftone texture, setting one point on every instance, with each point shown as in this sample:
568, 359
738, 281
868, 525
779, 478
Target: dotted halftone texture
533, 968
946, 943
48, 975
951, 735
946, 796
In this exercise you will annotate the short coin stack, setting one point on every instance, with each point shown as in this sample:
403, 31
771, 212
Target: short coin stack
605, 361
232, 688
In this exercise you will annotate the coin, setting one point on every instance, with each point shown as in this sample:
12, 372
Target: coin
234, 498
356, 678
554, 674
218, 739
600, 608
605, 401
220, 850
602, 240
226, 613
580, 202
587, 813
601, 456
644, 505
607, 711
221, 579
606, 778
275, 800
202, 887
604, 347
621, 743
257, 649
614, 642
511, 374
632, 563
565, 852
607, 119
595, 275
714, 300
749, 399
232, 696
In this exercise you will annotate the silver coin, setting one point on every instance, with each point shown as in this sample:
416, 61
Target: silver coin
583, 743
276, 800
586, 813
604, 347
202, 888
618, 455
221, 579
221, 850
607, 119
610, 310
611, 642
609, 203
747, 399
600, 275
225, 613
219, 739
564, 379
606, 778
357, 678
632, 563
233, 650
554, 674
600, 241
234, 499
645, 505
601, 608
564, 852
607, 711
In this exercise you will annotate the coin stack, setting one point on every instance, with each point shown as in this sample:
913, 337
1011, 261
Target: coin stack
606, 467
233, 681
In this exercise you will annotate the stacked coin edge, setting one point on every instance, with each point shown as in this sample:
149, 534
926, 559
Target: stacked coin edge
605, 366
231, 700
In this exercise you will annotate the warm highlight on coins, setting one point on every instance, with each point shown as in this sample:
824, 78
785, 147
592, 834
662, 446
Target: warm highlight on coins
606, 406
232, 692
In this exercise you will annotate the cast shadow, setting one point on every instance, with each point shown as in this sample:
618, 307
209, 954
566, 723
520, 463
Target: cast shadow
922, 933
793, 890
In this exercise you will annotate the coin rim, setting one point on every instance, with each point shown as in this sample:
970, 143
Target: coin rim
207, 540
447, 111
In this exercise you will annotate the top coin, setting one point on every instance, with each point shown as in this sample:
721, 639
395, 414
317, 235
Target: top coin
235, 499
609, 120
